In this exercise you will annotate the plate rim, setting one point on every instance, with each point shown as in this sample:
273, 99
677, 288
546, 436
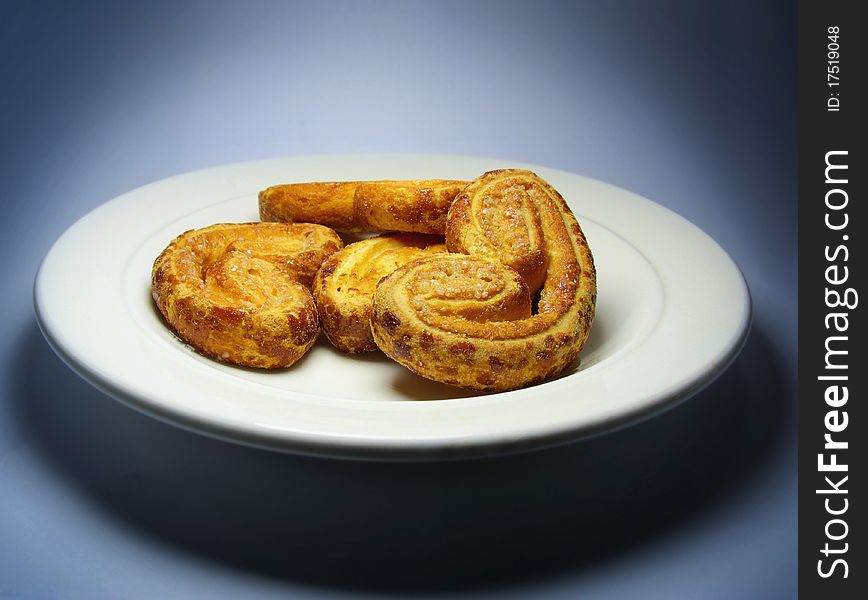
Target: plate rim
378, 448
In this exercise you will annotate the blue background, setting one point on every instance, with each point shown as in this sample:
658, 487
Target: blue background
690, 104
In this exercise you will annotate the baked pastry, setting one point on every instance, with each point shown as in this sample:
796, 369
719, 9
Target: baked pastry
502, 224
345, 284
469, 320
327, 203
414, 206
238, 292
362, 206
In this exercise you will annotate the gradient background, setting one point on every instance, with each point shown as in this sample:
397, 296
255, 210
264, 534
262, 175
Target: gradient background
690, 104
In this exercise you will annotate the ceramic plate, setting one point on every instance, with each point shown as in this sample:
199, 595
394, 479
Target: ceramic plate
672, 313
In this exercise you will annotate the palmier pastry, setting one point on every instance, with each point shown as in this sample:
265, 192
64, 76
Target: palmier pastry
238, 292
361, 206
468, 320
413, 206
345, 284
327, 203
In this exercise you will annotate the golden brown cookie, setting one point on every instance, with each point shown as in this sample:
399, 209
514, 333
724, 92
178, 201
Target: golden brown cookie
344, 286
468, 320
325, 203
413, 206
238, 291
418, 206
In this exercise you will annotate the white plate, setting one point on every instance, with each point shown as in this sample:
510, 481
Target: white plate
673, 312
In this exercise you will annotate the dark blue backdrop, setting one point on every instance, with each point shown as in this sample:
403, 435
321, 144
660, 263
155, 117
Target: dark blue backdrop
690, 104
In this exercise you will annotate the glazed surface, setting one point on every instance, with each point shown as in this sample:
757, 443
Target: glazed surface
469, 319
240, 292
419, 206
345, 284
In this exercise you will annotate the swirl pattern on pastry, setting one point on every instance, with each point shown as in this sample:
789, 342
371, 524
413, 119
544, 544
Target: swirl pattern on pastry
418, 206
468, 320
238, 292
345, 284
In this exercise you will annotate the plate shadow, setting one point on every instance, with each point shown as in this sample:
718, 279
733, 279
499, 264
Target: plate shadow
400, 528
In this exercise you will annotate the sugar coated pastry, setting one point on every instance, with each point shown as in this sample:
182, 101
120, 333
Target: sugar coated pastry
418, 206
345, 284
326, 203
238, 292
468, 319
413, 206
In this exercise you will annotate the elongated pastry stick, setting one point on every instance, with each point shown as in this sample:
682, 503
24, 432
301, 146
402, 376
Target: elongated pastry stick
418, 206
326, 203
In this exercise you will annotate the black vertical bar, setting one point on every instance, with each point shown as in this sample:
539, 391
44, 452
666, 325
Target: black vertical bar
832, 68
